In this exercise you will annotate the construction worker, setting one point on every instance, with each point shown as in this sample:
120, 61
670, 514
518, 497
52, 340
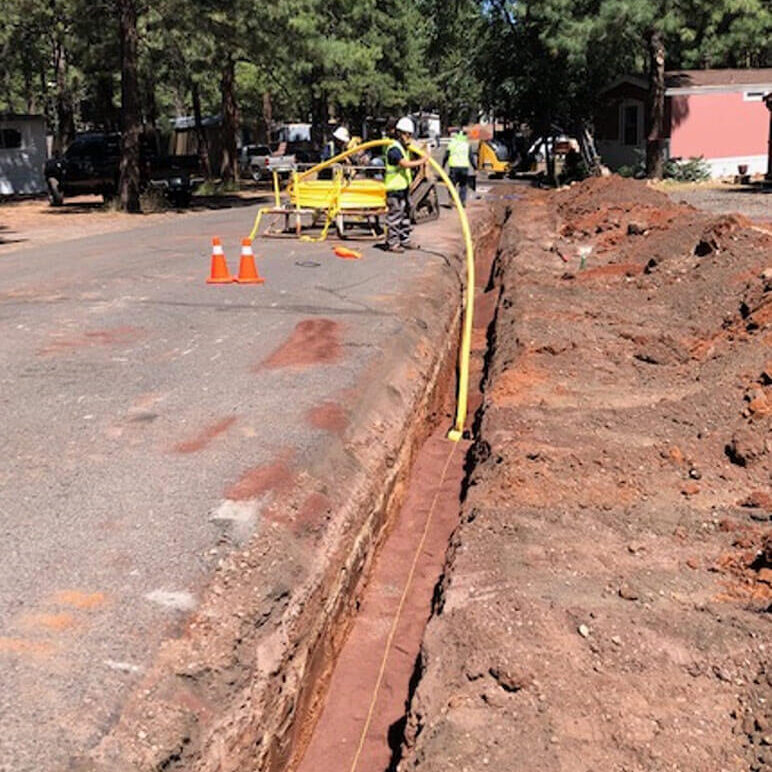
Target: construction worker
337, 144
397, 179
459, 154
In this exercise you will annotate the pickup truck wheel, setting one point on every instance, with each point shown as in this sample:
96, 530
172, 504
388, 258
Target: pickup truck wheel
256, 173
180, 199
55, 197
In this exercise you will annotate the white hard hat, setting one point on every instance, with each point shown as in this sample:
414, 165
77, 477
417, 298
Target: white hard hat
341, 133
406, 125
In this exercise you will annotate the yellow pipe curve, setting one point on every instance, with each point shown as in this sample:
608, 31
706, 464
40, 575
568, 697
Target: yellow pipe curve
456, 433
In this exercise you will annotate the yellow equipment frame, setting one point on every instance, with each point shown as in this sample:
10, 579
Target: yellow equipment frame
333, 199
488, 161
457, 432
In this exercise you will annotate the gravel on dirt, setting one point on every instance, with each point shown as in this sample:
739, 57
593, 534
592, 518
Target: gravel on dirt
752, 201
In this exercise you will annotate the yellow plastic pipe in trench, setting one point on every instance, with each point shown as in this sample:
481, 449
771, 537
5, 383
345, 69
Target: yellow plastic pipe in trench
456, 433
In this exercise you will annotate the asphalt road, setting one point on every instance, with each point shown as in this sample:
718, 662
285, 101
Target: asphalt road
134, 396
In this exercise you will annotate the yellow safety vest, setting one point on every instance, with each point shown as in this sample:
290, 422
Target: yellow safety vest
458, 150
396, 177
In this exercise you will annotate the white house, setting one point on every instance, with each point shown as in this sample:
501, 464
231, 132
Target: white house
22, 154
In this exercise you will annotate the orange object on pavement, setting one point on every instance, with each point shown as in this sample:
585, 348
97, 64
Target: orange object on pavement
347, 254
219, 273
247, 269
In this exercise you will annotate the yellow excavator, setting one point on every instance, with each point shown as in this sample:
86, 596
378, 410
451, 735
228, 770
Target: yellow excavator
493, 157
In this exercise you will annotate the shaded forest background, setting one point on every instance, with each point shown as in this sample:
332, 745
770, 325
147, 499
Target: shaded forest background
129, 64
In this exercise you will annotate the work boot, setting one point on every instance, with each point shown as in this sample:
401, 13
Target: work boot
397, 248
410, 245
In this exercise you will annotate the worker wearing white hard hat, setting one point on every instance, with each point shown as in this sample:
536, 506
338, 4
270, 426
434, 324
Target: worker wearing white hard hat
342, 135
337, 144
397, 179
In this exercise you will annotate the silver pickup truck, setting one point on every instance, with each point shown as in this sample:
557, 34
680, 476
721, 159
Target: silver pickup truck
259, 163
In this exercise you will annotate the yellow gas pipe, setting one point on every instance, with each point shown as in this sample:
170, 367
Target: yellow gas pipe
456, 433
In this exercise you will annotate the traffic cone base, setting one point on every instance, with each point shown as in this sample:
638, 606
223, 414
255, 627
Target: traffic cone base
247, 269
219, 273
223, 280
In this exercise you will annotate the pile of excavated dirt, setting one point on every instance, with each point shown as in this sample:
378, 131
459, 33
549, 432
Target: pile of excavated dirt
606, 599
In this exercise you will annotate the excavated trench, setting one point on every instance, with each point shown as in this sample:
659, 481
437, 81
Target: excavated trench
358, 692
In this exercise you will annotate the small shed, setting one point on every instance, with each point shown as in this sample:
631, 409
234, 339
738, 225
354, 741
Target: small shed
22, 154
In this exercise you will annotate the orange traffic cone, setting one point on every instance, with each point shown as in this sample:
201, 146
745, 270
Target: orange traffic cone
219, 273
247, 269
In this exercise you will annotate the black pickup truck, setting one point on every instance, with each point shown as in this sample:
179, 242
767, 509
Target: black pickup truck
91, 164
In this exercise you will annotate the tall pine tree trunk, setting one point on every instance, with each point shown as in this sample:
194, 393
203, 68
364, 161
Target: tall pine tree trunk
655, 144
130, 119
65, 116
264, 134
203, 142
230, 161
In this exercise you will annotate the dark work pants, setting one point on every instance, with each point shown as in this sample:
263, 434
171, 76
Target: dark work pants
398, 218
459, 176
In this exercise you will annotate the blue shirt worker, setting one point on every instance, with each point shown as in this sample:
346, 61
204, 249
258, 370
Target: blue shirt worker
459, 154
397, 178
337, 144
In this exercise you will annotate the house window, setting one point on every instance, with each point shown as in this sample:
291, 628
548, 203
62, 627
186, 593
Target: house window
630, 124
10, 139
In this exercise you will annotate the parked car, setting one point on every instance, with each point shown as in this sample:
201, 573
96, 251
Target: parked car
259, 163
91, 165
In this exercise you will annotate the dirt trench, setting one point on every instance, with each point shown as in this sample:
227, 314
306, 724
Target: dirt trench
360, 711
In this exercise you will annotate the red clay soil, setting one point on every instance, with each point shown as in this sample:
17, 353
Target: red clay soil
273, 476
606, 598
329, 416
205, 436
313, 342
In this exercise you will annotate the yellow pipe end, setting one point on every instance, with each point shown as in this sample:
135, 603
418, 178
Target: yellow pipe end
454, 435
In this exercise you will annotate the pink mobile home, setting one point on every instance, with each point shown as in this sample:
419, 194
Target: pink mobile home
717, 114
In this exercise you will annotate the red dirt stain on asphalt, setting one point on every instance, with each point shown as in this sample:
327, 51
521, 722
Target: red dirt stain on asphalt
312, 511
107, 337
204, 437
273, 476
25, 647
78, 599
53, 622
313, 342
329, 416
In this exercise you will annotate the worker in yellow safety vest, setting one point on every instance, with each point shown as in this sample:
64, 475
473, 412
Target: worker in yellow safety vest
459, 157
397, 179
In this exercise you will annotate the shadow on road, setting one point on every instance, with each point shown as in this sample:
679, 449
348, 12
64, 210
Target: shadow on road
754, 189
4, 231
226, 201
76, 207
198, 204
